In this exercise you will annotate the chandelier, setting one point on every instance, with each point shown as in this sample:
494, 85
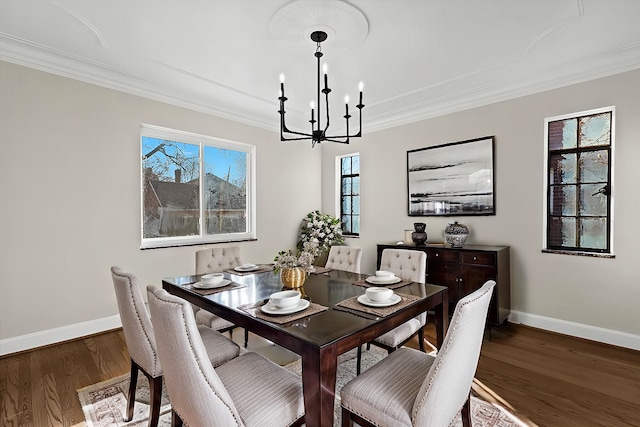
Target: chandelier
318, 133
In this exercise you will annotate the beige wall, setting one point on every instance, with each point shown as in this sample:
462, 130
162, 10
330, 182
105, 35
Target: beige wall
69, 174
572, 294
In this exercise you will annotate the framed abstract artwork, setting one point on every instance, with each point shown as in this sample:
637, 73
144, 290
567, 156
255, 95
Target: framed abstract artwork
452, 179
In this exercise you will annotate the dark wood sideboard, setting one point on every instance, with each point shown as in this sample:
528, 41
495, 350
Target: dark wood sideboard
463, 270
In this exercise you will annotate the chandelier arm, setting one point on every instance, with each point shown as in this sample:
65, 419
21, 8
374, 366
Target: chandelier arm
331, 139
308, 135
296, 139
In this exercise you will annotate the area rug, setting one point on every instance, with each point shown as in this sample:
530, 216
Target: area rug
104, 404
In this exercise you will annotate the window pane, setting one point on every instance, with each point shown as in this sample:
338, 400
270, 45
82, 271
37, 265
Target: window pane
346, 205
346, 223
562, 169
356, 205
562, 232
355, 228
171, 191
593, 233
346, 185
562, 200
355, 165
563, 134
592, 203
346, 165
225, 199
594, 166
356, 185
595, 130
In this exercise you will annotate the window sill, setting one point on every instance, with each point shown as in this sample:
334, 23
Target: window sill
198, 243
578, 253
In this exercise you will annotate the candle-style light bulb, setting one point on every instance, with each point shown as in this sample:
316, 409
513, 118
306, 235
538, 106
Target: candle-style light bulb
313, 106
281, 84
346, 104
360, 87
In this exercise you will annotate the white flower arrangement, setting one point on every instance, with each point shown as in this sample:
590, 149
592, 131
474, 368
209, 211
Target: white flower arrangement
318, 232
303, 260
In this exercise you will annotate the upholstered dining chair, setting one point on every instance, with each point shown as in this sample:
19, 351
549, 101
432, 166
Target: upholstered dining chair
412, 388
246, 391
217, 260
345, 258
141, 343
408, 265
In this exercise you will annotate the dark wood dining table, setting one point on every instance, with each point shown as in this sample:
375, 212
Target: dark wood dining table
321, 337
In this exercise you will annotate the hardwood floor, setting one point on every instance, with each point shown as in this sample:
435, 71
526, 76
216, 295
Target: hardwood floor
557, 380
38, 387
550, 379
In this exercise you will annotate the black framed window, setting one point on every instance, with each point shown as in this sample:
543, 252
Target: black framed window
350, 194
579, 188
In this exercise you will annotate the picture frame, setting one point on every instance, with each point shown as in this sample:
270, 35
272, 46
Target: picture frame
453, 179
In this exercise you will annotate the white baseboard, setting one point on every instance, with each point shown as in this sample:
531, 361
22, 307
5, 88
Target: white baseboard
64, 333
593, 333
52, 336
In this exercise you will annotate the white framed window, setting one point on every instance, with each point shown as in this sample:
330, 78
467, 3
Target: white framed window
348, 181
195, 189
578, 199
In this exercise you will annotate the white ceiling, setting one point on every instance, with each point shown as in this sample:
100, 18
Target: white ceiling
417, 58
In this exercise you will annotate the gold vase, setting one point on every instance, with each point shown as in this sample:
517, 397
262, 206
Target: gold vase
293, 277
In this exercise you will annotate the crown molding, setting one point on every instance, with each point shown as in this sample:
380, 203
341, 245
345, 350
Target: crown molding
427, 105
616, 61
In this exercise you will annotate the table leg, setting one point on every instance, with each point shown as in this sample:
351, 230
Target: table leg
442, 320
319, 384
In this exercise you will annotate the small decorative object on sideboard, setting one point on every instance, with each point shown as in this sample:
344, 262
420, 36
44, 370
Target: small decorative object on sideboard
456, 234
419, 236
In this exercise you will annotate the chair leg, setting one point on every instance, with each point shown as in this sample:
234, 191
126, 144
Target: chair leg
131, 399
155, 388
421, 339
359, 361
346, 418
176, 421
466, 413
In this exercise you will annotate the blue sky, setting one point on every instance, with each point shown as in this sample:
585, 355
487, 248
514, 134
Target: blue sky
218, 161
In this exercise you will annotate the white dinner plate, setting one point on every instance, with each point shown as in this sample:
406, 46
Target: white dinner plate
376, 280
272, 309
200, 285
248, 268
364, 300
